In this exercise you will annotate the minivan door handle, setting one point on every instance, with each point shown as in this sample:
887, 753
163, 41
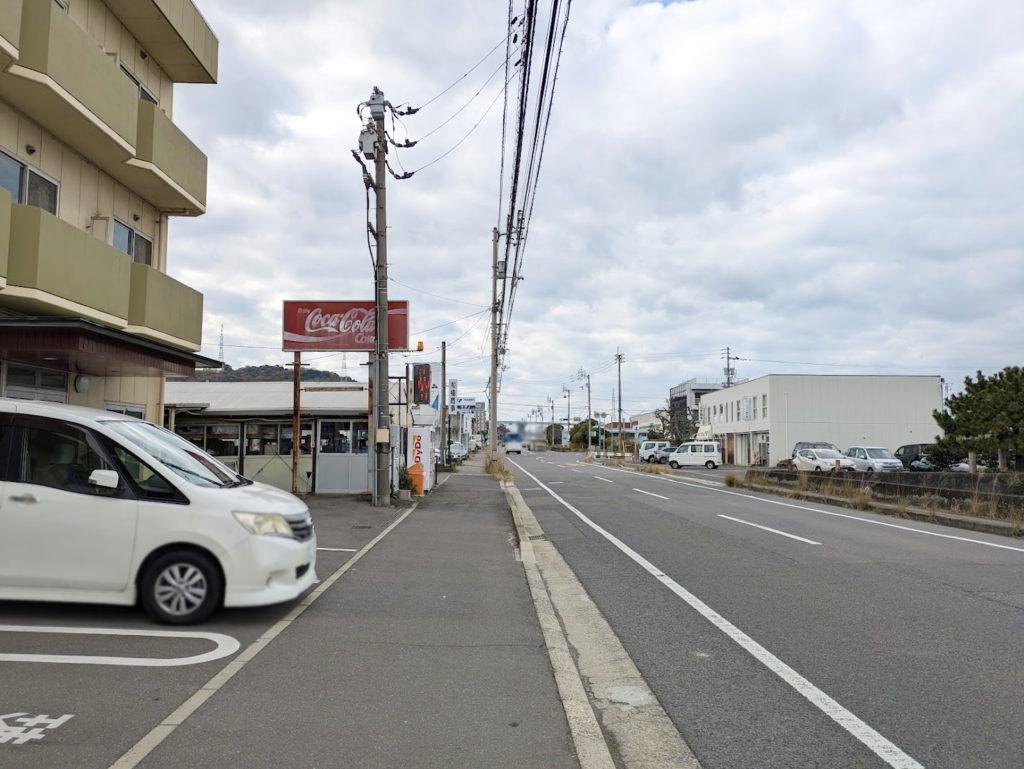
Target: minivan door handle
29, 499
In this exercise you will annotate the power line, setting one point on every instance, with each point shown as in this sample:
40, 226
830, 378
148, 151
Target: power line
413, 111
436, 296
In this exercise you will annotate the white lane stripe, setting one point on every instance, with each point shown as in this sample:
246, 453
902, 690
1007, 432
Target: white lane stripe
226, 645
651, 494
774, 531
339, 549
878, 744
606, 480
836, 515
575, 471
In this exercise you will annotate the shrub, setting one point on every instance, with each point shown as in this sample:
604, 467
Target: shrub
733, 480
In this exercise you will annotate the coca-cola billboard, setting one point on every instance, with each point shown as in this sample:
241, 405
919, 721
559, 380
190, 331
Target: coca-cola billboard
342, 326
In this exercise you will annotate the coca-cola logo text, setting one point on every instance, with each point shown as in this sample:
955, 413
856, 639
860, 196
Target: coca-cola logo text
357, 321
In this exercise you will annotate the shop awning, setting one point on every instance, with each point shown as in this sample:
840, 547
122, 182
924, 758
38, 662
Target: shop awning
81, 346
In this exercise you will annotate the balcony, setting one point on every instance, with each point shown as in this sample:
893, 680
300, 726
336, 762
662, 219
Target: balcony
175, 34
5, 234
169, 170
10, 31
164, 310
66, 83
56, 269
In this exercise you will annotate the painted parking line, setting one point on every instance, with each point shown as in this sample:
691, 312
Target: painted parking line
651, 494
766, 528
339, 549
226, 646
888, 751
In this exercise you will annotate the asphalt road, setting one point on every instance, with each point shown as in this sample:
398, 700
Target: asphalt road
784, 633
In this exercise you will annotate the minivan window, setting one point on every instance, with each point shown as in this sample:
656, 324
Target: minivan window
59, 458
147, 482
178, 455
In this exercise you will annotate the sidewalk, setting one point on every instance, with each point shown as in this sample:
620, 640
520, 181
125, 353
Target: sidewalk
426, 653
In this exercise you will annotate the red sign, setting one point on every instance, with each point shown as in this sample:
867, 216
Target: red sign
343, 326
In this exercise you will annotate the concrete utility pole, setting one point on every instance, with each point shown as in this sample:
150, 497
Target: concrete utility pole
492, 430
382, 416
444, 408
296, 389
568, 415
590, 426
551, 402
618, 359
728, 370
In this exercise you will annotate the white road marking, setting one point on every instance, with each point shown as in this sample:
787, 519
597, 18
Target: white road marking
164, 729
31, 728
554, 482
774, 531
878, 744
836, 515
339, 549
226, 646
606, 480
575, 471
651, 494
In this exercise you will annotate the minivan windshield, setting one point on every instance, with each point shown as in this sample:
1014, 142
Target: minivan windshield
176, 454
880, 454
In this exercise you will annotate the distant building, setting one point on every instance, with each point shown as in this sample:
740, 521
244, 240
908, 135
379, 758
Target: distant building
688, 394
92, 167
760, 420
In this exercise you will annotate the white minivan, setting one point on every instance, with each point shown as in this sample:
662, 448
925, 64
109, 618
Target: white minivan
97, 507
649, 448
694, 453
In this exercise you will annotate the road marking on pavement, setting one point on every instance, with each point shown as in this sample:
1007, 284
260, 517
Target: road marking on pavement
837, 515
575, 471
651, 494
163, 730
32, 728
774, 531
878, 744
554, 482
606, 480
226, 646
339, 549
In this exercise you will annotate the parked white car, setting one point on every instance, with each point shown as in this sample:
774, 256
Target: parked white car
649, 448
458, 451
821, 460
696, 453
874, 459
98, 507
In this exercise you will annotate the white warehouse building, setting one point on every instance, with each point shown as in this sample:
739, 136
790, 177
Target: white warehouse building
760, 420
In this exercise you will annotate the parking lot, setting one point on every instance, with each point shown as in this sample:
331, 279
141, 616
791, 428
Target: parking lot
82, 684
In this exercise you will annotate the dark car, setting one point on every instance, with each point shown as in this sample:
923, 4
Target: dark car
913, 453
801, 445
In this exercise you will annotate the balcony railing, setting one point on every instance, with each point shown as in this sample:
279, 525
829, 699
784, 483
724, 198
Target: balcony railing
164, 309
169, 170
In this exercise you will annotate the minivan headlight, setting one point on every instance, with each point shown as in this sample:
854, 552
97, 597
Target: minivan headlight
273, 524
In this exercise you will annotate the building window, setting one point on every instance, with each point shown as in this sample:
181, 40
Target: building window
26, 383
128, 409
143, 92
260, 440
133, 243
764, 405
27, 185
754, 406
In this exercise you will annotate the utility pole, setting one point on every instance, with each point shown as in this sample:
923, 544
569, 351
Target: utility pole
444, 409
728, 370
618, 359
551, 403
382, 417
296, 389
584, 375
492, 430
568, 414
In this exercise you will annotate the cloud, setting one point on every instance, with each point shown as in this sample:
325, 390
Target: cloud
802, 181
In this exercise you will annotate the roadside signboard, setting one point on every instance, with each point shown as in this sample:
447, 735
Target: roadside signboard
344, 326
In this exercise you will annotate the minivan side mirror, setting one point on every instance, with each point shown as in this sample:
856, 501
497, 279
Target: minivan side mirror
105, 479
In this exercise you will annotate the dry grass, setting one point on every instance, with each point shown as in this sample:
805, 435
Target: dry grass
656, 469
497, 469
800, 485
614, 463
590, 458
901, 507
861, 498
733, 480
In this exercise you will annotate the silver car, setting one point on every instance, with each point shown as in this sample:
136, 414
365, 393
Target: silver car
874, 459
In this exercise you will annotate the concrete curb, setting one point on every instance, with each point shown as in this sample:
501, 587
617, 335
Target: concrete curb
598, 675
952, 520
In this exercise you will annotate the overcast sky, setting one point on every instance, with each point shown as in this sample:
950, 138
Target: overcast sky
822, 186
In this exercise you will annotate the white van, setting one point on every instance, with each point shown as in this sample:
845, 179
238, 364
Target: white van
513, 443
97, 507
694, 453
647, 449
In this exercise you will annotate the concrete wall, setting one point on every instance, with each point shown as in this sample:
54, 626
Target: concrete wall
141, 391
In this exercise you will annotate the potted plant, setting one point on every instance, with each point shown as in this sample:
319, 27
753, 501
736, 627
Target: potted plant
405, 486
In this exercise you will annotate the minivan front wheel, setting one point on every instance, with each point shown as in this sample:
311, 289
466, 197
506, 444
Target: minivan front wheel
710, 465
182, 587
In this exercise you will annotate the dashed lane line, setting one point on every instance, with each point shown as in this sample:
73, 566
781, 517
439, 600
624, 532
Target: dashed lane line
652, 494
766, 528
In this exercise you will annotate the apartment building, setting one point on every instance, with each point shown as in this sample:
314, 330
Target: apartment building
92, 168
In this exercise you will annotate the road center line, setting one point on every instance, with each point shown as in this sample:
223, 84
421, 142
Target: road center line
339, 549
651, 494
878, 744
829, 512
606, 480
774, 531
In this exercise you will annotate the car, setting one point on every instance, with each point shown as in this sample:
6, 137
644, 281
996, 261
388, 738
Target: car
457, 451
648, 449
105, 508
801, 445
871, 459
910, 453
661, 455
822, 460
696, 453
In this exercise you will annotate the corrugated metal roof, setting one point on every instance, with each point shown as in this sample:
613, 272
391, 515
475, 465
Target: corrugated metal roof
268, 397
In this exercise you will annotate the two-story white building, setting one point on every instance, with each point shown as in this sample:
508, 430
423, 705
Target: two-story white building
759, 421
